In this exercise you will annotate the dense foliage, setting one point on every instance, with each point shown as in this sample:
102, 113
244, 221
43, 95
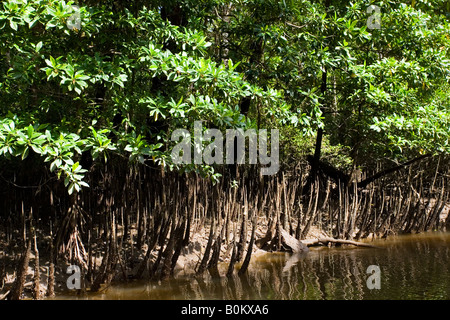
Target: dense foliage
118, 77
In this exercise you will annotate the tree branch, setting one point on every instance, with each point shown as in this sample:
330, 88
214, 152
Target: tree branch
365, 182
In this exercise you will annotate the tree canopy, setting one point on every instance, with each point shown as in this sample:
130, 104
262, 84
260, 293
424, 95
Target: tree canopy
117, 77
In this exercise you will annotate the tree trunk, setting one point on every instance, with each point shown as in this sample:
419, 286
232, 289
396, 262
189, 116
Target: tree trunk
22, 270
37, 274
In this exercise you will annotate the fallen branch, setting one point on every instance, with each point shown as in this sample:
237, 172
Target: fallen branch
326, 240
291, 242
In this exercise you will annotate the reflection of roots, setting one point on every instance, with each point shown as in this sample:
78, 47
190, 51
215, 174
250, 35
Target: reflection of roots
75, 249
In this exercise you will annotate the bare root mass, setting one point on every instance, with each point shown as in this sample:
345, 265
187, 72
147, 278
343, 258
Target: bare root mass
144, 223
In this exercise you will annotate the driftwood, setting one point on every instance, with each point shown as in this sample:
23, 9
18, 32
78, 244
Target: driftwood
326, 240
288, 242
292, 243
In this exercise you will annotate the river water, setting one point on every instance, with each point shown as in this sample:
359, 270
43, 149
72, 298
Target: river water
409, 267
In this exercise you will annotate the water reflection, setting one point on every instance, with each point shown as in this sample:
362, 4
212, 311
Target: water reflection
412, 267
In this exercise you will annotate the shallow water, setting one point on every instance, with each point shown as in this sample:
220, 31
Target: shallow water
411, 267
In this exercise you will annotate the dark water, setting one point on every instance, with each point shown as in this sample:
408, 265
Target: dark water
411, 267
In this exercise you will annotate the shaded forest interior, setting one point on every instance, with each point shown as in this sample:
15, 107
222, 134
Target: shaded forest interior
138, 220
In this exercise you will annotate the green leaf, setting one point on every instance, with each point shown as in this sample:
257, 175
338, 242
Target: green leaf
39, 46
13, 25
36, 149
25, 153
71, 187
